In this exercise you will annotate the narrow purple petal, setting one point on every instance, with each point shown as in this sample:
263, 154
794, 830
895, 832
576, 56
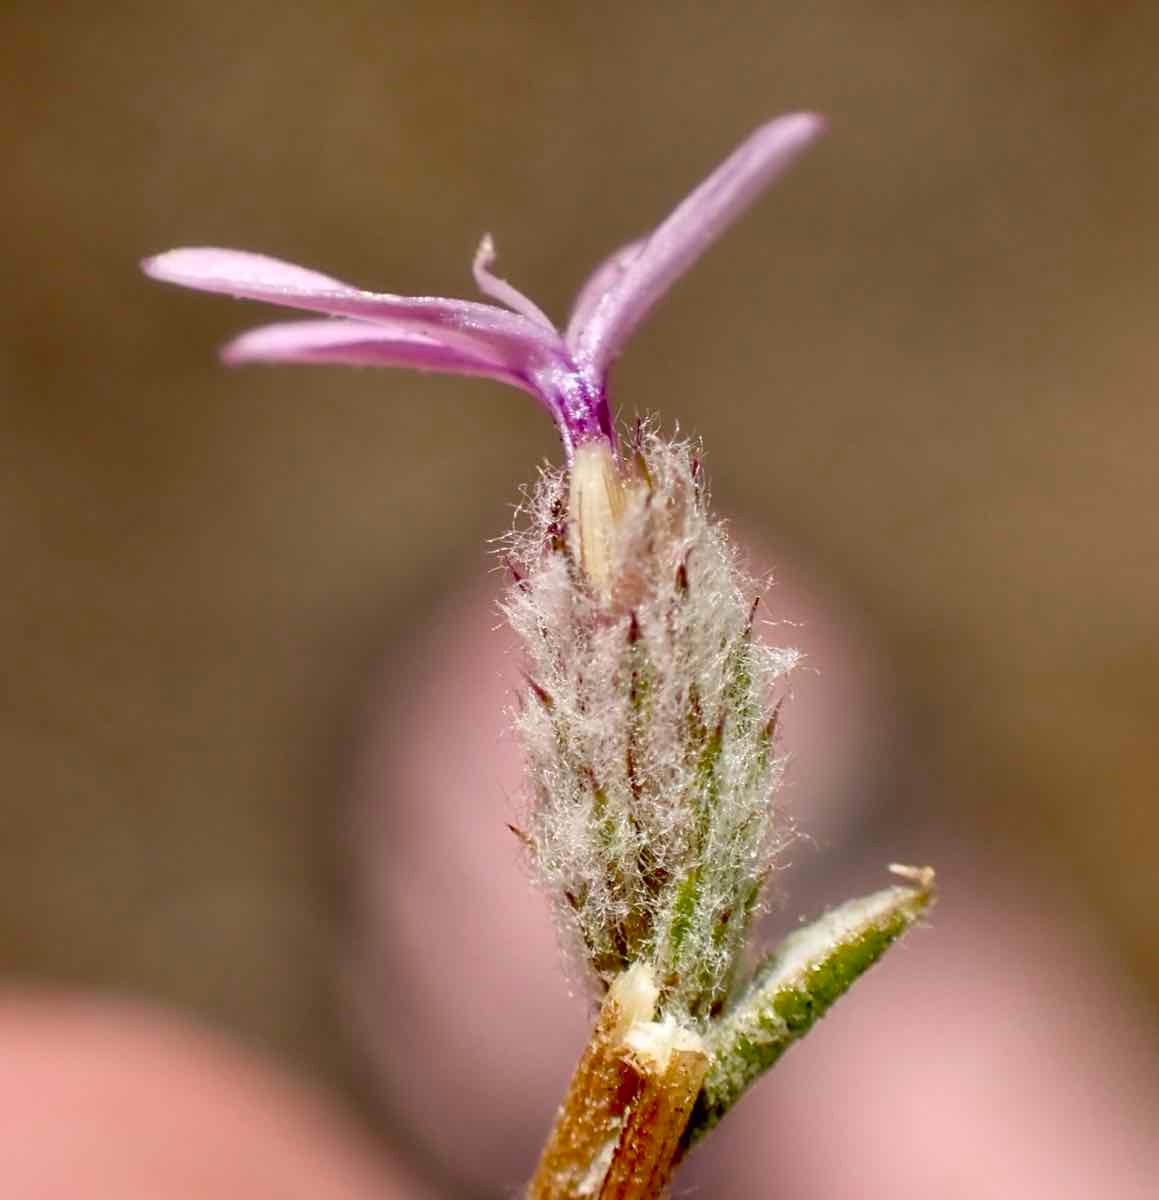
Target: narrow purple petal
579, 411
359, 344
691, 228
597, 285
472, 327
499, 289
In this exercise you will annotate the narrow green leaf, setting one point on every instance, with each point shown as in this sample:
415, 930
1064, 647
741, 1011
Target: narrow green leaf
796, 985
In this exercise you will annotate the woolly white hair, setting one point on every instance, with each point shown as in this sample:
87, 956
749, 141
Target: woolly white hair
648, 728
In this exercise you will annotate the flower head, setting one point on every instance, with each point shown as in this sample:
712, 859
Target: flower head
516, 343
649, 724
648, 720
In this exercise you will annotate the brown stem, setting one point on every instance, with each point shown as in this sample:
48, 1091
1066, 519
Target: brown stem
619, 1127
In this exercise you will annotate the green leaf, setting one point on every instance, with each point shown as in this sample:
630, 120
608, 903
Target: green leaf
796, 985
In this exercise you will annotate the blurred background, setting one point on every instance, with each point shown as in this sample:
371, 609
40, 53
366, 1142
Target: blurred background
243, 614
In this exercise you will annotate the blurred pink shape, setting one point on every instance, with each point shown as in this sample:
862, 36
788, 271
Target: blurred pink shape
999, 1054
996, 1055
101, 1098
456, 982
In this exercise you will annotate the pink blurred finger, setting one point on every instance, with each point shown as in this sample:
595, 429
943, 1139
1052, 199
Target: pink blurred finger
106, 1099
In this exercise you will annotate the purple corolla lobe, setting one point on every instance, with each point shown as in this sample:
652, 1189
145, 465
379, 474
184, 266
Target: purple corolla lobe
517, 343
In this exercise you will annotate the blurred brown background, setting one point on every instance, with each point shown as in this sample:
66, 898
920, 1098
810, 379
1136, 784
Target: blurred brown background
927, 362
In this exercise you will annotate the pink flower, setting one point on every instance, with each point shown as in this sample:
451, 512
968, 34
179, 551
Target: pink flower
517, 343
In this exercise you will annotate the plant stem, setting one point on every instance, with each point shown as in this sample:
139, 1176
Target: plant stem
619, 1127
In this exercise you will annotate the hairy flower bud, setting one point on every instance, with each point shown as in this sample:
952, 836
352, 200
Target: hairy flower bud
649, 723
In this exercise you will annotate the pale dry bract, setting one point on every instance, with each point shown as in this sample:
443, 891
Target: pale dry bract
649, 730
